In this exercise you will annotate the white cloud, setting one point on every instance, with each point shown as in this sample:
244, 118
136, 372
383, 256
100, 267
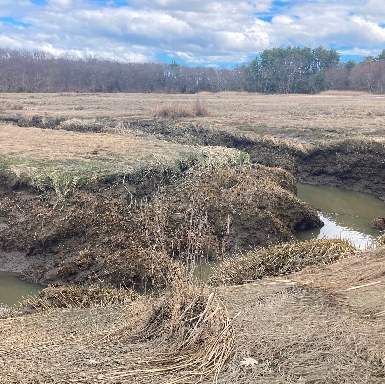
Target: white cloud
196, 31
60, 3
356, 52
369, 29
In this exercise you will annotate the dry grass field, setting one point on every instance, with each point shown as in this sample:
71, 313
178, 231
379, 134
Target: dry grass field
301, 117
324, 324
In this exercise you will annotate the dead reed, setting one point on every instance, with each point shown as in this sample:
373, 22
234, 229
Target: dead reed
280, 260
194, 331
77, 297
173, 109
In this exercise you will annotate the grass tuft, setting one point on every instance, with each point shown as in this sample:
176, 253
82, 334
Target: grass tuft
195, 331
173, 110
280, 260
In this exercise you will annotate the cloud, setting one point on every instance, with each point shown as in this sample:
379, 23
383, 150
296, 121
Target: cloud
60, 4
369, 30
195, 32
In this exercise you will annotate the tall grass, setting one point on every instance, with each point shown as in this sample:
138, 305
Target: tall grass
173, 110
280, 260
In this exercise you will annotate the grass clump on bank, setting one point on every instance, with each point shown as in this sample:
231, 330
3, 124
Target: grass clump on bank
280, 260
71, 297
78, 297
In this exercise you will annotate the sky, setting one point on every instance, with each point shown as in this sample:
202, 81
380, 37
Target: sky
191, 32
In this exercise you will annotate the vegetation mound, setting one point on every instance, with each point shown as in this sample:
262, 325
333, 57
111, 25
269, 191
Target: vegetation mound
280, 260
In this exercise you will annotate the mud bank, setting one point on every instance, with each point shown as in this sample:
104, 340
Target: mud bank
117, 234
352, 163
356, 164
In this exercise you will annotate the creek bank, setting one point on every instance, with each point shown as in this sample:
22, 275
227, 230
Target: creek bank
106, 234
357, 164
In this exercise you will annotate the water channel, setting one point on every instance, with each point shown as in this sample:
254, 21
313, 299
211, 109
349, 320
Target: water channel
346, 215
13, 290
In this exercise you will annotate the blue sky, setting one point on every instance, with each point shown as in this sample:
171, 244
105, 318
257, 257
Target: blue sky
192, 32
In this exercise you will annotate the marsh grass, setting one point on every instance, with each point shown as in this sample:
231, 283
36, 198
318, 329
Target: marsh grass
344, 93
280, 260
64, 161
11, 106
194, 331
174, 109
62, 182
77, 297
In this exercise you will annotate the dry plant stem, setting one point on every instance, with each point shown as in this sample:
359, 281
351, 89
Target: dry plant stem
201, 351
280, 260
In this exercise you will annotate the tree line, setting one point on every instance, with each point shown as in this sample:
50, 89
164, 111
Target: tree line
275, 70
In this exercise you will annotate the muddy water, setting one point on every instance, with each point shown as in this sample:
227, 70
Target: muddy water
346, 214
12, 289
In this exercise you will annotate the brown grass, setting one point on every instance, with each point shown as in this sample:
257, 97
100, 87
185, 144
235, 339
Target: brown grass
48, 145
304, 118
64, 159
305, 328
77, 297
344, 93
280, 260
174, 110
184, 336
11, 106
198, 335
295, 334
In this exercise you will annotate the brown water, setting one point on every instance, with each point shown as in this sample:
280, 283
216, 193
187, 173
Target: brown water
346, 214
12, 289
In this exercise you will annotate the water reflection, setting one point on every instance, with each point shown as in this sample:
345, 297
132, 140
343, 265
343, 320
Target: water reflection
346, 214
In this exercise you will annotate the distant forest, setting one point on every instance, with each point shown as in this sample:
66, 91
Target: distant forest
276, 70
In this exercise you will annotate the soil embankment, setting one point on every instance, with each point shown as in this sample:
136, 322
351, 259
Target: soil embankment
355, 163
105, 233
